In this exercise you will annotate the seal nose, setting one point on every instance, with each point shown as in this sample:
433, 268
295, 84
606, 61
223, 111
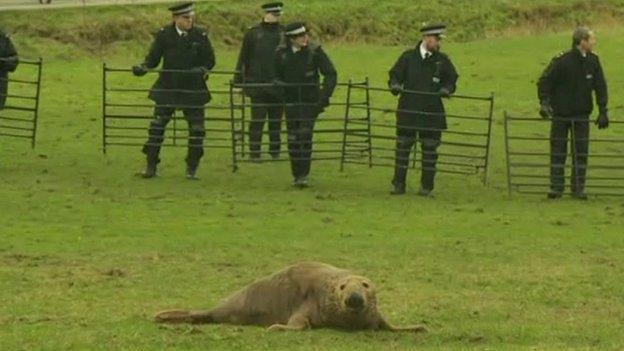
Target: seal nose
355, 301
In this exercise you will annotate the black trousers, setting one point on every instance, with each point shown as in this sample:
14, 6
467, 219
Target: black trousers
578, 132
429, 142
300, 125
195, 119
259, 114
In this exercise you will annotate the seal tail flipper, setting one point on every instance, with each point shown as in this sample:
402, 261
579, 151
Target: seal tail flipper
184, 316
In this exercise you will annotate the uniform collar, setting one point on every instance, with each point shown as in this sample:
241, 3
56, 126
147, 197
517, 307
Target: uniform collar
295, 49
180, 31
424, 53
580, 54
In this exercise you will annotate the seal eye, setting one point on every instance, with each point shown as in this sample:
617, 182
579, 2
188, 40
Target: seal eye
365, 284
343, 286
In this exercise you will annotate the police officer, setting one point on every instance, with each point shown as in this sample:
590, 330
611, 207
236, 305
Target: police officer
299, 63
256, 65
422, 76
182, 47
8, 63
565, 93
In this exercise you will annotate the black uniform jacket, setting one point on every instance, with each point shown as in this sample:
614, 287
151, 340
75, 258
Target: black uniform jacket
568, 82
177, 52
412, 72
305, 66
256, 61
8, 63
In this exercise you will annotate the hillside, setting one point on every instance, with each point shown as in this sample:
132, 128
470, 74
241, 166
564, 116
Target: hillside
365, 21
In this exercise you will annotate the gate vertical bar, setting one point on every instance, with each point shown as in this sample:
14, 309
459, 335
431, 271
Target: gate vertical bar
368, 123
507, 160
104, 87
37, 96
175, 128
489, 138
233, 127
345, 128
242, 134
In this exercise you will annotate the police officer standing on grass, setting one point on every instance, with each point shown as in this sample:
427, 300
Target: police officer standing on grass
299, 63
256, 64
182, 47
565, 93
421, 115
8, 63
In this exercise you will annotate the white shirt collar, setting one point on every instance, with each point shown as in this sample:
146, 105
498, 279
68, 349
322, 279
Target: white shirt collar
180, 31
295, 49
424, 51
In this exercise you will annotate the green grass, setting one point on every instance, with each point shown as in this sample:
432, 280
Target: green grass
379, 22
88, 253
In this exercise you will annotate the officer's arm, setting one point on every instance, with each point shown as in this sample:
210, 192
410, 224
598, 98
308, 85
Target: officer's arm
546, 82
207, 53
330, 76
279, 67
152, 60
600, 87
243, 57
8, 57
398, 72
449, 76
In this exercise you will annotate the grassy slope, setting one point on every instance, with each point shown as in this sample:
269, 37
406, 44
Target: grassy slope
480, 269
381, 22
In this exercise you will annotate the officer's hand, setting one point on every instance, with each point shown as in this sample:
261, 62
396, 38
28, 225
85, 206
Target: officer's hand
324, 101
238, 79
603, 121
546, 110
395, 89
445, 93
139, 70
200, 70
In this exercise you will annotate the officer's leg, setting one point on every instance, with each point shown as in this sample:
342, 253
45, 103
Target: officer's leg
306, 134
151, 149
558, 153
404, 143
580, 153
197, 132
275, 127
258, 115
429, 141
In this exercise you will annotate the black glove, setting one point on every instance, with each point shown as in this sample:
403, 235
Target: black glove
603, 121
546, 110
200, 70
238, 78
323, 100
445, 93
139, 70
395, 89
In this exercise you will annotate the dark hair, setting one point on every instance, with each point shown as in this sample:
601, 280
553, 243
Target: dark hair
580, 34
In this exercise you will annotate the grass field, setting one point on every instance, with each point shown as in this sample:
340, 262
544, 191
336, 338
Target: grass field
88, 253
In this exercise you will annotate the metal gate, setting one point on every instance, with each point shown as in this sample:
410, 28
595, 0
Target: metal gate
528, 154
20, 115
465, 145
127, 111
336, 135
